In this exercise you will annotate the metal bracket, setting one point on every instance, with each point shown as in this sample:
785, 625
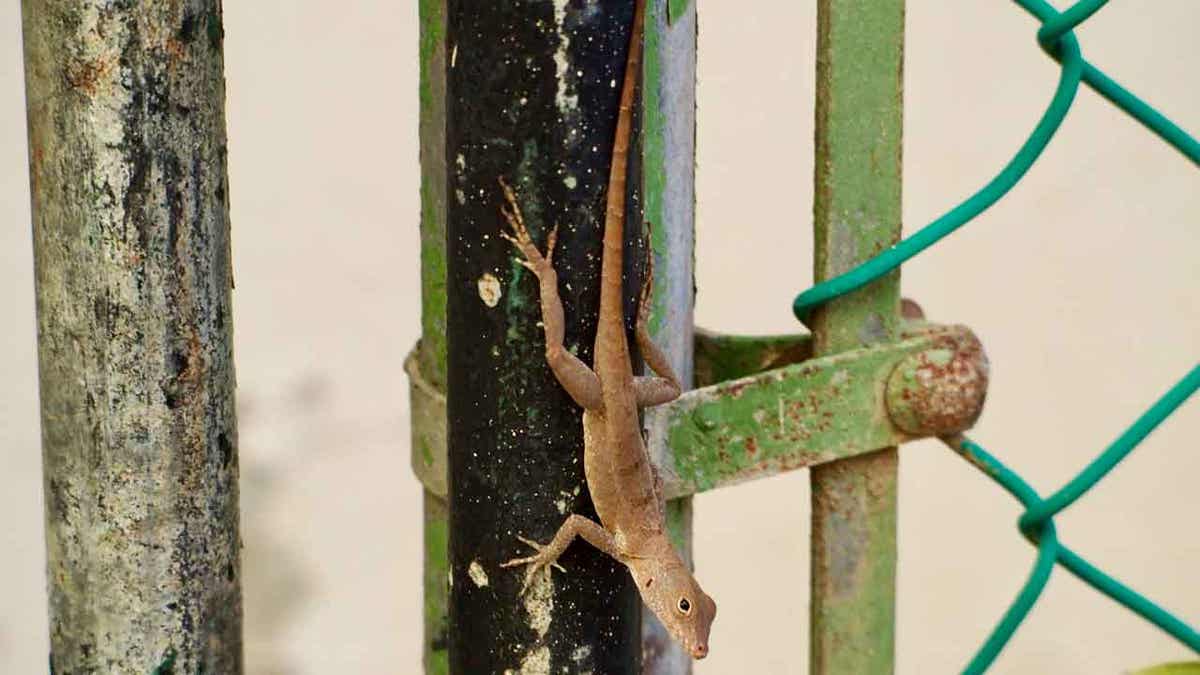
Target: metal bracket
775, 409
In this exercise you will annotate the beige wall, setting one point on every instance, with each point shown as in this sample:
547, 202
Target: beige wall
1083, 285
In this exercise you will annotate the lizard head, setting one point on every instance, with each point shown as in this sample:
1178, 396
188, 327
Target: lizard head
671, 592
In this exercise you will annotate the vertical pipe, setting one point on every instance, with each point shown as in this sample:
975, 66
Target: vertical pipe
860, 50
431, 351
532, 93
127, 157
668, 152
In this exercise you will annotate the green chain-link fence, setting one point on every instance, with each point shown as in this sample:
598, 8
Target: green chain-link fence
1037, 523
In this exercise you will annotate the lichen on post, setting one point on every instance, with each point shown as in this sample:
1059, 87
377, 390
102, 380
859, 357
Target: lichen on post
127, 153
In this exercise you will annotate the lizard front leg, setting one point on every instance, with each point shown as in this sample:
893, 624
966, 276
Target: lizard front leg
652, 390
574, 375
573, 526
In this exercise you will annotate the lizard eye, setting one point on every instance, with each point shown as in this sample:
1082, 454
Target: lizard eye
685, 607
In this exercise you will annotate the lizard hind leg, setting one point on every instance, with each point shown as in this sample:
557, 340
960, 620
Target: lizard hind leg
666, 387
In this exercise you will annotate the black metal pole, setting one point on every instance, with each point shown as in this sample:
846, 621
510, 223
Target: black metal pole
532, 96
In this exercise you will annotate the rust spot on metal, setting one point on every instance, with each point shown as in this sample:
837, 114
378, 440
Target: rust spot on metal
909, 309
735, 389
85, 76
939, 391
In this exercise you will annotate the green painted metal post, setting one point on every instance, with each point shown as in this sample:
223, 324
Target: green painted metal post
668, 160
429, 358
860, 47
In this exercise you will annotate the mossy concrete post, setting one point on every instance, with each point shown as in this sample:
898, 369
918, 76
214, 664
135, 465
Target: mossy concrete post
127, 152
860, 48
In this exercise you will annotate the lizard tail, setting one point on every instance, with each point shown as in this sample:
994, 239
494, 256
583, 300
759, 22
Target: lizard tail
611, 287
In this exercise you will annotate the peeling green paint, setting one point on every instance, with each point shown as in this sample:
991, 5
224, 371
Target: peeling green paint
679, 526
437, 590
432, 132
677, 8
722, 357
654, 165
1182, 668
428, 401
427, 423
667, 107
800, 415
856, 214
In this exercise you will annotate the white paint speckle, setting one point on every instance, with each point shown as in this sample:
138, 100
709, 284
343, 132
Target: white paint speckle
489, 289
453, 56
460, 161
581, 653
539, 605
564, 98
536, 662
477, 574
539, 602
570, 181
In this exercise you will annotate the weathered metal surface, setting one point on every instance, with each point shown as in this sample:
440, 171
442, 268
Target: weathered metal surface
426, 365
436, 657
720, 357
427, 422
530, 97
911, 310
432, 153
802, 415
833, 407
127, 165
856, 215
939, 391
668, 154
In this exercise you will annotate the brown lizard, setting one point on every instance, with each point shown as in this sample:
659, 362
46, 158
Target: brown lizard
624, 486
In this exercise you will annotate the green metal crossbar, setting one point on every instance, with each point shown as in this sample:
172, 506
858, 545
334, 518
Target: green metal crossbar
1037, 524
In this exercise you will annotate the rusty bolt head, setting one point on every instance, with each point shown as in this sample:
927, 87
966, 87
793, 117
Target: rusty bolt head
909, 309
939, 391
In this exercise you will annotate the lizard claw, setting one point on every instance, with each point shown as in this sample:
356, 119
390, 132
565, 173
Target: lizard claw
537, 562
520, 237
